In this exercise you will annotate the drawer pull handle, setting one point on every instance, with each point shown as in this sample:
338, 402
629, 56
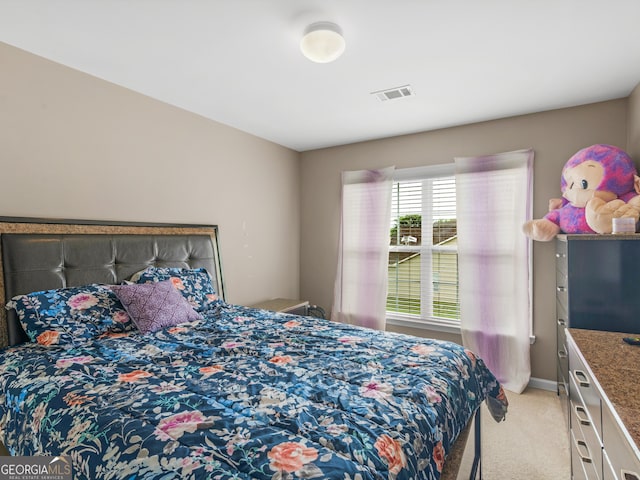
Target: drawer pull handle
562, 354
562, 389
562, 322
561, 289
627, 475
560, 255
582, 416
582, 378
583, 445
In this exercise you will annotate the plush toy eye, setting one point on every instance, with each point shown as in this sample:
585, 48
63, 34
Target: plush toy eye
585, 184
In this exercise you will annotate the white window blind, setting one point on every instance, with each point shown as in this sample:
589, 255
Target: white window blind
423, 259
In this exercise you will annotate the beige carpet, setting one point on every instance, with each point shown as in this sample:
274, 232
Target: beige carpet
531, 444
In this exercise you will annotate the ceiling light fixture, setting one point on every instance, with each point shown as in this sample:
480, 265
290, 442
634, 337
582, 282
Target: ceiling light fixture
322, 42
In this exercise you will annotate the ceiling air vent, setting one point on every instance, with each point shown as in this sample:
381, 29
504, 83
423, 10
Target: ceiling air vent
393, 93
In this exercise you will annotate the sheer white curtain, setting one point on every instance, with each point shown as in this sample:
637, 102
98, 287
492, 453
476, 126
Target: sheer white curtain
493, 201
360, 292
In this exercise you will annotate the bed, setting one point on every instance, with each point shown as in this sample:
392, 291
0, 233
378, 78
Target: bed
212, 390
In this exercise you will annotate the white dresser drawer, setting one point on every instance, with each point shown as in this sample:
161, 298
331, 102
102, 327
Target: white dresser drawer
608, 473
622, 455
583, 429
582, 466
583, 388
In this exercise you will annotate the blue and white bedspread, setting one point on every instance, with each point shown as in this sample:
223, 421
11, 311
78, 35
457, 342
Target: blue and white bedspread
245, 394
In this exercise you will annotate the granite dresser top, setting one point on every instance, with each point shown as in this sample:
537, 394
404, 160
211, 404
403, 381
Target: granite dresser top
616, 366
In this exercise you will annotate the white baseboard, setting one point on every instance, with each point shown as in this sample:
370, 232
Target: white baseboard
543, 384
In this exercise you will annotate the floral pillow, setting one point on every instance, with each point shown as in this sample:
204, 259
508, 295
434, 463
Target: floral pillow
157, 305
194, 284
67, 315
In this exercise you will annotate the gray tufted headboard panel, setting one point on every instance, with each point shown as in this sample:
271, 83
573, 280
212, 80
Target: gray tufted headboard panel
45, 260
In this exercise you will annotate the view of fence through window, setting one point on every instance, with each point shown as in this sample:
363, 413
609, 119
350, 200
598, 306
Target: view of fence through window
423, 259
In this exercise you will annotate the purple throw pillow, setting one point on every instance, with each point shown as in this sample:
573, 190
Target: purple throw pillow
153, 306
194, 284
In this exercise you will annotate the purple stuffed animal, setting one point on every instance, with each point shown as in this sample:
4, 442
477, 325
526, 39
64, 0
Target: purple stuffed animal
599, 183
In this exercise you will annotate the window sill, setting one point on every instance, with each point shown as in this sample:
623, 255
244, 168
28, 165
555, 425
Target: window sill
403, 321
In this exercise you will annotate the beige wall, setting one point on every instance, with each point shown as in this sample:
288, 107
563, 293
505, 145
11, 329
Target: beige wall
633, 125
74, 146
553, 135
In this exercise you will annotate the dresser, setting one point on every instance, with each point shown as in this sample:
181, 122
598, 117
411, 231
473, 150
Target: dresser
604, 405
597, 304
597, 288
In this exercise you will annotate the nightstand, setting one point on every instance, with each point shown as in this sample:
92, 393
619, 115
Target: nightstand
284, 305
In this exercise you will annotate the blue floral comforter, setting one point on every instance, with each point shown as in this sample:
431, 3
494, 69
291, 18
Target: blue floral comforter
245, 394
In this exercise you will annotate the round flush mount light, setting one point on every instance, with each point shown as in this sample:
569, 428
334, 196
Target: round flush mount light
322, 42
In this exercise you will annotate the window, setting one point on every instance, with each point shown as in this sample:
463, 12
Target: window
423, 258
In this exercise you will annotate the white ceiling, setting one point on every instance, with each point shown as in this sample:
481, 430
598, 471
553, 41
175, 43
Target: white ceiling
238, 61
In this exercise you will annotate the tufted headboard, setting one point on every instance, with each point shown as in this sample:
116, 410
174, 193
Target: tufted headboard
41, 254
